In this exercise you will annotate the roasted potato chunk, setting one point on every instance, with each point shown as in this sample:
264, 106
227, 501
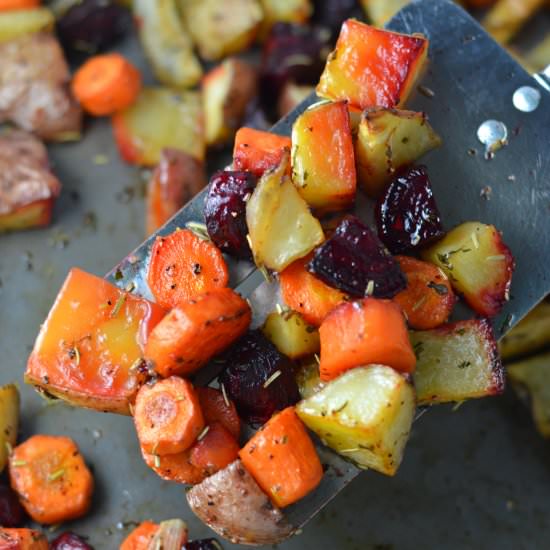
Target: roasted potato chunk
389, 139
232, 504
456, 362
160, 118
308, 379
529, 378
530, 335
284, 11
226, 92
323, 163
291, 335
478, 264
34, 92
28, 188
166, 43
372, 67
381, 11
365, 415
280, 225
221, 28
504, 20
9, 421
14, 24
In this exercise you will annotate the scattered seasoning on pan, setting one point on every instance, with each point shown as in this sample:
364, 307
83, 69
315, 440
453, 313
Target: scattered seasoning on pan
272, 378
506, 323
199, 229
90, 220
440, 289
370, 288
74, 353
18, 463
263, 270
156, 459
472, 152
497, 258
352, 450
118, 275
419, 303
340, 408
54, 476
457, 406
425, 91
486, 192
197, 269
100, 159
317, 358
130, 287
118, 305
475, 240
246, 198
202, 435
464, 364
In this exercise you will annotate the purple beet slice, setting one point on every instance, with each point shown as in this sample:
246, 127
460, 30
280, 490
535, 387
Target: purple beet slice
225, 211
11, 512
258, 378
355, 261
406, 214
69, 541
203, 544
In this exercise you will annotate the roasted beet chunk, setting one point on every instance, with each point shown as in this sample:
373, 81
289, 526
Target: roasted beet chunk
69, 541
225, 211
203, 544
258, 378
332, 13
406, 214
292, 52
11, 513
355, 261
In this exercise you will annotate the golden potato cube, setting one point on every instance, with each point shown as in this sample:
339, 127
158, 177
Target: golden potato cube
365, 415
389, 139
281, 227
308, 379
285, 11
221, 28
291, 334
19, 22
478, 264
456, 362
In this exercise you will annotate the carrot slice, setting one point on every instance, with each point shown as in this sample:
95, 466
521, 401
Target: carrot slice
306, 294
182, 266
106, 84
168, 416
22, 539
282, 459
190, 335
177, 468
216, 407
428, 299
9, 5
51, 478
258, 151
216, 450
365, 332
140, 537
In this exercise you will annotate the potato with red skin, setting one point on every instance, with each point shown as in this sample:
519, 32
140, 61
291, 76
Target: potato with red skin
478, 263
100, 330
372, 67
323, 159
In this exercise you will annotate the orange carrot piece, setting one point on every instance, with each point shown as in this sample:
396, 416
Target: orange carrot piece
182, 266
190, 335
14, 5
106, 84
429, 299
306, 294
177, 468
216, 450
365, 332
258, 151
22, 539
217, 408
168, 416
282, 459
51, 478
140, 537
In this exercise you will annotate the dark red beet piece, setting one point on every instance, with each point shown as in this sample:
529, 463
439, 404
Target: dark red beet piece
332, 13
11, 512
406, 214
292, 52
252, 381
355, 261
225, 211
69, 541
203, 544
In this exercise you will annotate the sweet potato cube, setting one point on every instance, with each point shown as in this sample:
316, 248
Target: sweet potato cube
372, 67
93, 334
323, 163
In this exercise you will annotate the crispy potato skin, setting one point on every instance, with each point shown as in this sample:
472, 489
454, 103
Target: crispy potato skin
27, 186
34, 92
231, 503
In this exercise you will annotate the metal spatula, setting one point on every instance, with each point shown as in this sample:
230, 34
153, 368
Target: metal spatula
470, 80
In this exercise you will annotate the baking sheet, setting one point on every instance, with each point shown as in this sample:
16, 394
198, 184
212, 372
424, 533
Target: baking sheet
476, 478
